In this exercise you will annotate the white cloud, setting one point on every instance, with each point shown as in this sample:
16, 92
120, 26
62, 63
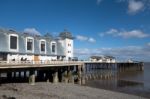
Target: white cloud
135, 6
84, 38
32, 31
133, 34
81, 38
99, 1
112, 31
126, 34
92, 40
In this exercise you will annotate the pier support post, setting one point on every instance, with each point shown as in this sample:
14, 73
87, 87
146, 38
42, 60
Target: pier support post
90, 76
142, 68
65, 76
79, 75
32, 77
70, 77
55, 77
83, 74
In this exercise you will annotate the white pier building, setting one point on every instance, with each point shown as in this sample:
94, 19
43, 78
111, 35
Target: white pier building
17, 46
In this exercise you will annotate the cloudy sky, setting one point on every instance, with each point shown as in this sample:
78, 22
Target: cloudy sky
120, 28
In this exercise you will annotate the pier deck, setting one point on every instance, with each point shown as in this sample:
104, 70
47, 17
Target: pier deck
5, 65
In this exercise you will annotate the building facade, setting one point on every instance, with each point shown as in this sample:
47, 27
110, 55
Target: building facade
16, 46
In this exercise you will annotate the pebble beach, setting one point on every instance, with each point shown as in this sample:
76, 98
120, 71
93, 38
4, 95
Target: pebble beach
43, 90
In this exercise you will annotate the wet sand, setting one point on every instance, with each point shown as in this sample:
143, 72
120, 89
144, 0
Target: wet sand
58, 91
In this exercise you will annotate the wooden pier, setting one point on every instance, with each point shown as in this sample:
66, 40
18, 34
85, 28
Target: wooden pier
55, 71
102, 70
63, 71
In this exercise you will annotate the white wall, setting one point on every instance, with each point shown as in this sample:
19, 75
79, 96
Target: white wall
47, 58
68, 48
18, 57
11, 57
63, 45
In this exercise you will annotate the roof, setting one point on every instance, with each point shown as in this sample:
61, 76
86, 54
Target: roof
47, 36
96, 57
8, 31
66, 34
102, 57
109, 57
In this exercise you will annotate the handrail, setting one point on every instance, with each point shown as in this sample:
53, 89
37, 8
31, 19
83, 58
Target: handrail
38, 62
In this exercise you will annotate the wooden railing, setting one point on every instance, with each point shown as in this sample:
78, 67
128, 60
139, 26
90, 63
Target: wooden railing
38, 62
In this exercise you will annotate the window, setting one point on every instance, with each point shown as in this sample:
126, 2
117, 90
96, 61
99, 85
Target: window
53, 48
69, 44
29, 44
69, 51
13, 42
43, 46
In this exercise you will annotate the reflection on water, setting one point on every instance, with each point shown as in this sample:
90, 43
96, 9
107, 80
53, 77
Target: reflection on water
131, 82
126, 83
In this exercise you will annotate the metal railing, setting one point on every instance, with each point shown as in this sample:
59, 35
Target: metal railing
39, 62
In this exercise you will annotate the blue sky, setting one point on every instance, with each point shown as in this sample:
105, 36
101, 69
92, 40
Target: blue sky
102, 27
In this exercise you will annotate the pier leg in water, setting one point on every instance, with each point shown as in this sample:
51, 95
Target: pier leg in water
32, 77
55, 77
142, 66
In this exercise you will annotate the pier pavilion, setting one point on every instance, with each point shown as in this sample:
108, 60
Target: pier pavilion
20, 46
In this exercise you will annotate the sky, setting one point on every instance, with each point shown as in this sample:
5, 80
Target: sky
120, 28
